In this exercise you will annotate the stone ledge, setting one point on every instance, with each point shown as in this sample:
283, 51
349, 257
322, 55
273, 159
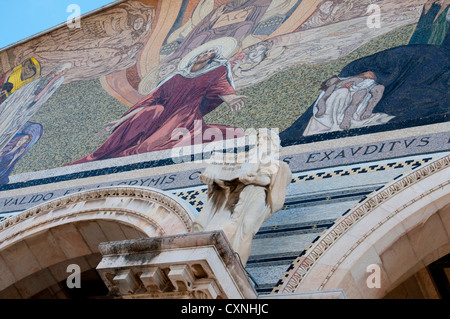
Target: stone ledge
193, 265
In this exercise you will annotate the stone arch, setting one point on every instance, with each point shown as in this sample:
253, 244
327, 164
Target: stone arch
402, 228
37, 245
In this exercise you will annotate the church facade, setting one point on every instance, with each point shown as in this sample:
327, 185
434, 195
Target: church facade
109, 121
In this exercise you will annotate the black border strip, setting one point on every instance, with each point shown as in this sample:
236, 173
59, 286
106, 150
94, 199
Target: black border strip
365, 130
169, 161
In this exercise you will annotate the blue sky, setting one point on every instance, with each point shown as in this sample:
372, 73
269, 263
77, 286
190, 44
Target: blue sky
20, 19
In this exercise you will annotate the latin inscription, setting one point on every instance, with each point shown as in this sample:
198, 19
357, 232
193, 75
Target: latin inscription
300, 162
361, 151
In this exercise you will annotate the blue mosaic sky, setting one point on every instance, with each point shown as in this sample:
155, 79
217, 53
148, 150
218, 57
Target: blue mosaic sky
20, 19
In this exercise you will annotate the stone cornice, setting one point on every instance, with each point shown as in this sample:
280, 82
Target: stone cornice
193, 265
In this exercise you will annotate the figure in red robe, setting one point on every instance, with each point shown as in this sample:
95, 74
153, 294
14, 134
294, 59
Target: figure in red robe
176, 103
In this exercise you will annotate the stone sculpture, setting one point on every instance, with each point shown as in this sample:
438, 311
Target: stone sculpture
242, 195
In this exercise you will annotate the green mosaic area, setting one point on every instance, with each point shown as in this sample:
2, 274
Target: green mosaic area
71, 118
77, 111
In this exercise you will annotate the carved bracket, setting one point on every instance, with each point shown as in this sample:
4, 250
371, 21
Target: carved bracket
196, 266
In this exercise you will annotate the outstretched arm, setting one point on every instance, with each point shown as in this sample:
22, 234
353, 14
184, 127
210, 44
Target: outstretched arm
234, 102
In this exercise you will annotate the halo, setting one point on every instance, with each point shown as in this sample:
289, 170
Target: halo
151, 79
228, 44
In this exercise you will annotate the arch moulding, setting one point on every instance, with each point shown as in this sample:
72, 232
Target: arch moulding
402, 228
150, 211
37, 245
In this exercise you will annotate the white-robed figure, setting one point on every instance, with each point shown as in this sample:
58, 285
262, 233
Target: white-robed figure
23, 103
347, 103
241, 205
